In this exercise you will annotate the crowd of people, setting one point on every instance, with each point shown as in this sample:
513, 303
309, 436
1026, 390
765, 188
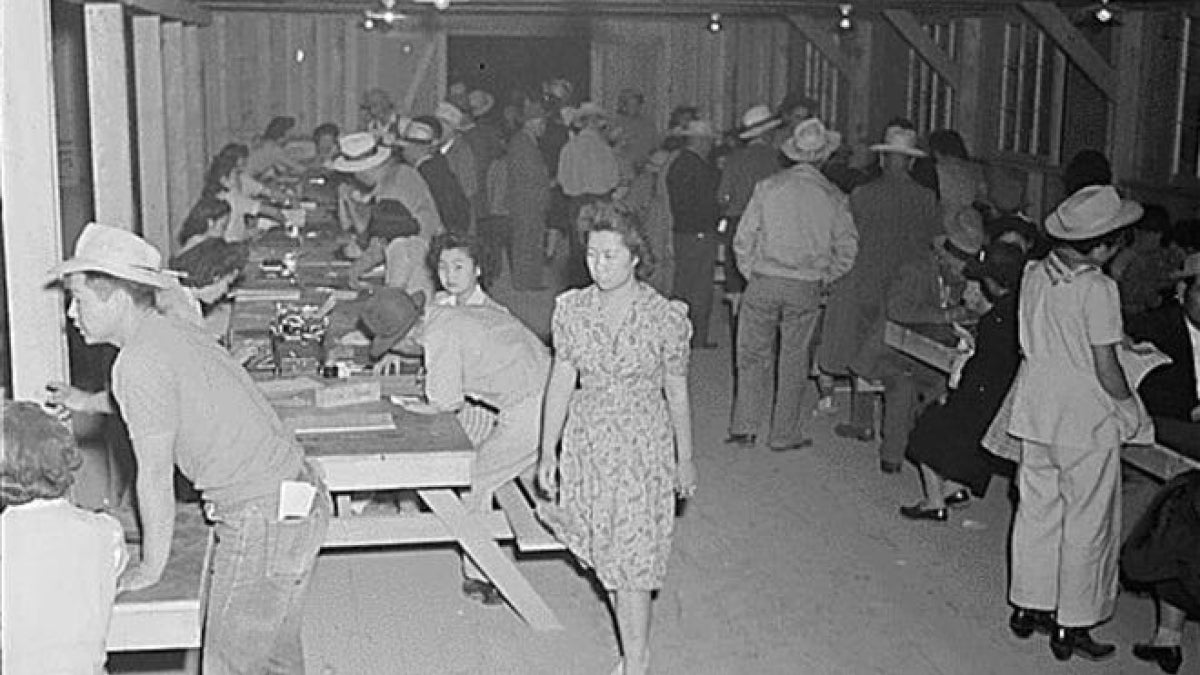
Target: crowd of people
821, 251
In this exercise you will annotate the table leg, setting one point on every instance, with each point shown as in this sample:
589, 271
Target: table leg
491, 560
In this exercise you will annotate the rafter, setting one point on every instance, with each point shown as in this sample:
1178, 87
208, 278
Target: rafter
819, 36
914, 34
1077, 48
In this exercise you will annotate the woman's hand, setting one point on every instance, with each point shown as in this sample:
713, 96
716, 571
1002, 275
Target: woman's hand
547, 470
685, 479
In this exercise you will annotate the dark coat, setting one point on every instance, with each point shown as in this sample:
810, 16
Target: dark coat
452, 204
1163, 551
1170, 390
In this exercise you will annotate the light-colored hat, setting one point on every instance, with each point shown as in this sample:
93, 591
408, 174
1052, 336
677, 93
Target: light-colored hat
451, 117
418, 132
899, 140
1093, 211
963, 233
480, 102
811, 142
560, 89
1191, 268
359, 151
758, 121
114, 251
695, 128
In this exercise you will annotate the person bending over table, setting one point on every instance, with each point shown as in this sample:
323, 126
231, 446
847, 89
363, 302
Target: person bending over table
393, 240
208, 219
187, 403
61, 562
224, 181
945, 442
487, 355
626, 431
380, 177
1171, 392
268, 157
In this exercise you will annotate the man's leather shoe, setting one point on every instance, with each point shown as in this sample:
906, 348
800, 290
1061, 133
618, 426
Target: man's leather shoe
918, 512
1024, 622
864, 434
960, 498
798, 445
1169, 659
744, 440
1067, 641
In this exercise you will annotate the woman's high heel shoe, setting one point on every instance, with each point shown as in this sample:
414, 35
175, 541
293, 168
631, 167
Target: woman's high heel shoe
1169, 659
1067, 641
960, 498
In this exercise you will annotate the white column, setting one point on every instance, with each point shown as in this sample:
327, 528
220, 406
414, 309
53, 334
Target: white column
29, 190
175, 80
193, 83
152, 132
108, 100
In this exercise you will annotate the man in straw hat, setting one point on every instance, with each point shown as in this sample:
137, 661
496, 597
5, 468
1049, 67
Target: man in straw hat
418, 143
896, 219
187, 404
692, 182
1071, 410
796, 236
459, 154
372, 166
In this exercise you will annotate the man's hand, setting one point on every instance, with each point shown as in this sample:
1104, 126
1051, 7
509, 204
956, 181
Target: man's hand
547, 469
62, 399
685, 479
136, 577
388, 365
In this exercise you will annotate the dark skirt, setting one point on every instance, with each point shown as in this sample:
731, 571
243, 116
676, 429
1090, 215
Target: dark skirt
946, 439
1162, 553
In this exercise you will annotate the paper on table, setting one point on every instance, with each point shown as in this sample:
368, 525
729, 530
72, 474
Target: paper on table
355, 338
1139, 359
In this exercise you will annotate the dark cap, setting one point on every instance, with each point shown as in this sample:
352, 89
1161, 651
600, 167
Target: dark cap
389, 314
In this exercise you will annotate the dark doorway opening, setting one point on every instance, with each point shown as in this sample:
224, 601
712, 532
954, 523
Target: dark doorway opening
501, 65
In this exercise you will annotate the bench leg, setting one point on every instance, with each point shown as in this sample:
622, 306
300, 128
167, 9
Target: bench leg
491, 560
191, 661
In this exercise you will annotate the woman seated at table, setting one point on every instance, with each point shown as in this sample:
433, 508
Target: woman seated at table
224, 181
393, 240
481, 355
208, 270
945, 442
61, 562
454, 258
208, 219
268, 158
325, 145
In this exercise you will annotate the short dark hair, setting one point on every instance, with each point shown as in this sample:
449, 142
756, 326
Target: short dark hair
448, 241
326, 129
220, 168
207, 209
1155, 219
948, 142
234, 150
39, 458
1118, 237
1087, 167
278, 127
607, 216
104, 284
210, 260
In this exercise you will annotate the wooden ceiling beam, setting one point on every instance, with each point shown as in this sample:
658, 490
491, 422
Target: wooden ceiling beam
1077, 48
819, 36
914, 34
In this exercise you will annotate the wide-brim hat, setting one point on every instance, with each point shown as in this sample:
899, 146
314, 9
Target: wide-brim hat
451, 117
480, 102
420, 132
116, 252
900, 141
359, 151
1190, 268
389, 314
811, 142
1093, 211
757, 121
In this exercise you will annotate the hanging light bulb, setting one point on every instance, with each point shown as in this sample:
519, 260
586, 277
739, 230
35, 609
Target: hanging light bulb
368, 23
1104, 13
845, 23
441, 4
714, 22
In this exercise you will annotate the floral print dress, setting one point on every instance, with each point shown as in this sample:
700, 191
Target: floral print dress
616, 505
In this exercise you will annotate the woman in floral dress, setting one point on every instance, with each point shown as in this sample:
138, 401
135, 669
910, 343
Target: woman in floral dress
626, 431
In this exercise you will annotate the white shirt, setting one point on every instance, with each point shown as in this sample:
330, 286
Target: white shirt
1194, 336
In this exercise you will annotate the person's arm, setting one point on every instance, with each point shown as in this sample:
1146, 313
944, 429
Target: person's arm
374, 255
444, 369
156, 507
844, 237
63, 398
1109, 372
559, 389
284, 162
745, 242
679, 405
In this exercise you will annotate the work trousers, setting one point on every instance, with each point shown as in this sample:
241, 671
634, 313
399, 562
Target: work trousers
261, 568
1067, 532
508, 451
788, 309
695, 261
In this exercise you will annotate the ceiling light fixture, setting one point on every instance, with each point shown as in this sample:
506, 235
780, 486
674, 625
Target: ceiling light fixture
383, 18
714, 22
845, 22
1104, 13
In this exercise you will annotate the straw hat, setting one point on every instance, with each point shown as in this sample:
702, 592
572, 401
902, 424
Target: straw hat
811, 142
900, 141
389, 314
117, 252
480, 102
420, 131
758, 121
1191, 268
964, 236
451, 117
1093, 211
359, 151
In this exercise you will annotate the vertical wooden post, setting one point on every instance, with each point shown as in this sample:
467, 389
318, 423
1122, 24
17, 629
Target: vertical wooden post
108, 102
29, 186
175, 81
193, 96
966, 97
152, 132
859, 100
1125, 130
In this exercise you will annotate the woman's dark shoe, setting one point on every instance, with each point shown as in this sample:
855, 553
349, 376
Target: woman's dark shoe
798, 445
919, 512
960, 498
864, 434
1024, 622
744, 440
1167, 658
1067, 641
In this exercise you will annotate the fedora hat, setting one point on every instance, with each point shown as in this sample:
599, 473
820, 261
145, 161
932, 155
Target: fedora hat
757, 121
116, 252
359, 151
1091, 212
900, 141
389, 314
1190, 268
963, 234
480, 102
420, 131
811, 142
450, 116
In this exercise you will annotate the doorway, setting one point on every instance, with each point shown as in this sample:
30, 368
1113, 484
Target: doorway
501, 65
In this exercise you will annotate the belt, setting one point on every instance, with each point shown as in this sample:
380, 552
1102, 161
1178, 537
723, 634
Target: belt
693, 234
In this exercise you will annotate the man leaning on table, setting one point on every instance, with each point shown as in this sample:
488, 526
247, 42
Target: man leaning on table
485, 354
188, 404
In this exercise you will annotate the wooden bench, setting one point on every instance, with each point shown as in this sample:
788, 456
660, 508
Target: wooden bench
1158, 460
531, 535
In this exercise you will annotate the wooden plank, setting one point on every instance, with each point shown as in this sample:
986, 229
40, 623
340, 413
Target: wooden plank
1158, 460
970, 83
359, 472
29, 182
152, 132
1058, 26
532, 536
415, 528
483, 550
858, 119
1126, 134
914, 34
193, 96
818, 34
108, 104
920, 346
175, 81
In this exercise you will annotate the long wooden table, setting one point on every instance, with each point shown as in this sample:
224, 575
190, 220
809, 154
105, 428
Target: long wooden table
934, 348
